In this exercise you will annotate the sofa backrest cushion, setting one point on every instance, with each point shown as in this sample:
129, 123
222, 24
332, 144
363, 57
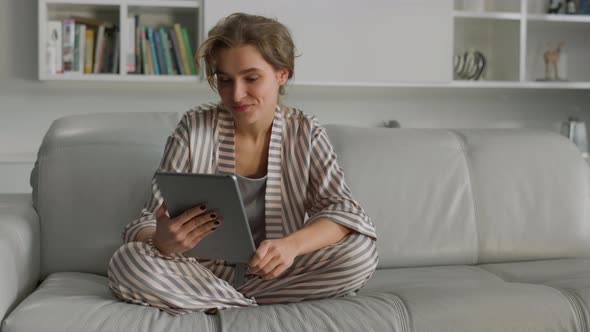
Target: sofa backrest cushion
436, 196
468, 196
92, 177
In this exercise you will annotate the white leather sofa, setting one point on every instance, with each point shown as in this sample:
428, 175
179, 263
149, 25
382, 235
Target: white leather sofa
479, 230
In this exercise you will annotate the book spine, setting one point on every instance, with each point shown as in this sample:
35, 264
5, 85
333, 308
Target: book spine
144, 60
69, 41
76, 53
148, 51
166, 51
81, 53
88, 65
189, 51
98, 49
106, 51
138, 48
116, 50
185, 65
160, 53
131, 44
154, 57
53, 58
176, 46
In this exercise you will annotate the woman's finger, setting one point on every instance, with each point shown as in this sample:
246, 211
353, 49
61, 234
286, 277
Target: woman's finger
270, 266
262, 263
199, 221
277, 271
189, 214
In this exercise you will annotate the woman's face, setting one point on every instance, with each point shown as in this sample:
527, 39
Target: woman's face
247, 84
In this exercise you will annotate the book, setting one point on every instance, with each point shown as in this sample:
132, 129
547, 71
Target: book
166, 51
148, 52
138, 49
98, 49
53, 54
89, 53
152, 51
160, 53
131, 44
114, 68
143, 44
68, 44
80, 49
189, 51
176, 47
185, 65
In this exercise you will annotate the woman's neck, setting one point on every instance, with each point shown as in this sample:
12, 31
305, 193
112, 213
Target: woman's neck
255, 131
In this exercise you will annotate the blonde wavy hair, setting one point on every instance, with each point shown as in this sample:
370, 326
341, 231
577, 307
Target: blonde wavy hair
270, 37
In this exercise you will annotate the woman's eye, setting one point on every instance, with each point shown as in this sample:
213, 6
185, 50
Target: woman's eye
251, 79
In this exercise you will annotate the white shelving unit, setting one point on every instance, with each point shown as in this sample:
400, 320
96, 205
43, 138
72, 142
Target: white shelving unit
513, 35
153, 13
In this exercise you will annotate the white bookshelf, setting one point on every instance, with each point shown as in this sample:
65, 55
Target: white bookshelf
513, 35
153, 13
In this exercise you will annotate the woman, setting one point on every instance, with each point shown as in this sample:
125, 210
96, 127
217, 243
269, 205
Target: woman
286, 169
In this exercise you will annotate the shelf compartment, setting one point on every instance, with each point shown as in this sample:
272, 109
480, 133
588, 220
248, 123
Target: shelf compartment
573, 64
498, 40
156, 17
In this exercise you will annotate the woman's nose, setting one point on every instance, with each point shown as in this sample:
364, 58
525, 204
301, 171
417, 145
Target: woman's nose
239, 91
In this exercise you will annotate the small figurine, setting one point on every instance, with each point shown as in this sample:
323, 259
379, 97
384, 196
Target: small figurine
554, 6
570, 7
551, 57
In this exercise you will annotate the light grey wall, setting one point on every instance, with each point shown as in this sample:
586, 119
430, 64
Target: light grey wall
27, 106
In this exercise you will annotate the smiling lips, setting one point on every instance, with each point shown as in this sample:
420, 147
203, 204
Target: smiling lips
241, 108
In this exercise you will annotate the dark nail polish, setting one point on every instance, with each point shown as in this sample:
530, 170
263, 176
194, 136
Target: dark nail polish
216, 222
214, 228
213, 215
203, 207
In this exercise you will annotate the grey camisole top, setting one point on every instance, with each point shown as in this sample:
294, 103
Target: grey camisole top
252, 191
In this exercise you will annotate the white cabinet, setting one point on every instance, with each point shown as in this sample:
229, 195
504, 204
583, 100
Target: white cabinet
117, 14
373, 42
514, 36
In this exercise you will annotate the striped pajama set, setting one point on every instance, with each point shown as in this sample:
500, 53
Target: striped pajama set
303, 179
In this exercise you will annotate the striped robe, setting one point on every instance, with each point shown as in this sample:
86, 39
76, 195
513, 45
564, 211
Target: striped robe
303, 179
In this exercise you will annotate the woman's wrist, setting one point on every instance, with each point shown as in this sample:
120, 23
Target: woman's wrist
145, 234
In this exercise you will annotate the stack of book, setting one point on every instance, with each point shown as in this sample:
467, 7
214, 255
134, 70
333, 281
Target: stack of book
89, 46
163, 50
82, 45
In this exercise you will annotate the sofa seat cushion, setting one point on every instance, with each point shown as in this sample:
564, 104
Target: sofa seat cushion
82, 302
468, 298
569, 276
370, 312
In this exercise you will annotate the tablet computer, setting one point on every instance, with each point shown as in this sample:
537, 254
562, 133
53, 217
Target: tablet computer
232, 240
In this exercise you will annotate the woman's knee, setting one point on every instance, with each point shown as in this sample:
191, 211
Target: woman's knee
357, 249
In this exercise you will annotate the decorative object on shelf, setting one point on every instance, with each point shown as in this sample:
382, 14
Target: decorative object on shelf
469, 65
575, 131
571, 7
554, 6
552, 58
391, 124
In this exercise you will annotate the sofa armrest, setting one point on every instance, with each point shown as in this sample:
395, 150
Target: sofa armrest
19, 250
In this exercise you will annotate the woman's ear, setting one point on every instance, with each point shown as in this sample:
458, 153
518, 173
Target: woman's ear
282, 76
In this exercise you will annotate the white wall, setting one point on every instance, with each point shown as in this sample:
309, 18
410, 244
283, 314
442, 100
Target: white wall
27, 106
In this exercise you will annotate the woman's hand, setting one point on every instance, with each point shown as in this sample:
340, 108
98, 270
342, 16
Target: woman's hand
182, 233
272, 258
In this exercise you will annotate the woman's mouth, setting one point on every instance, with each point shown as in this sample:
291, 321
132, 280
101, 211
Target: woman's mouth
241, 108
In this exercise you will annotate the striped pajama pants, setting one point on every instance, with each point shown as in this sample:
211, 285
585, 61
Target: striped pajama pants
180, 284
